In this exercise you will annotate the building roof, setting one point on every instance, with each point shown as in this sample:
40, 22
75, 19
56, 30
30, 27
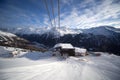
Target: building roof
80, 50
64, 46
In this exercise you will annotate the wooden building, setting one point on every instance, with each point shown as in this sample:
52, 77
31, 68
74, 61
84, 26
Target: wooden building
65, 48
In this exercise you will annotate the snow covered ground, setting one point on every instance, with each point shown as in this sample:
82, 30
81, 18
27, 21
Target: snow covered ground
43, 66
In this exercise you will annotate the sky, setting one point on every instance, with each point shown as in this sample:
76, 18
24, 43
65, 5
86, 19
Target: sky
73, 13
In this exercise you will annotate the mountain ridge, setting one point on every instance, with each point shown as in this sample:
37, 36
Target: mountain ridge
104, 38
57, 32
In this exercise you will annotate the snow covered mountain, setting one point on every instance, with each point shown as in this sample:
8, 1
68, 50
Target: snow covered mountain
5, 36
102, 30
9, 39
46, 30
103, 38
57, 32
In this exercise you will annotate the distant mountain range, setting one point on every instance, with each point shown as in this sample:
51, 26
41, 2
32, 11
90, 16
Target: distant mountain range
102, 30
103, 38
57, 32
45, 30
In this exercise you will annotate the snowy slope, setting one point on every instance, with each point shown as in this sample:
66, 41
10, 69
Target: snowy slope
6, 35
102, 30
105, 67
10, 38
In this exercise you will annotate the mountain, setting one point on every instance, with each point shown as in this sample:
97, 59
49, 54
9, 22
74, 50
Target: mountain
57, 32
5, 36
102, 30
103, 38
12, 40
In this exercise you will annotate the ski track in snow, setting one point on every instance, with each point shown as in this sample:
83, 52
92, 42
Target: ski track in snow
69, 69
104, 67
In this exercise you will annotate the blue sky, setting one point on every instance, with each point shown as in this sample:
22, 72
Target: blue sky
73, 13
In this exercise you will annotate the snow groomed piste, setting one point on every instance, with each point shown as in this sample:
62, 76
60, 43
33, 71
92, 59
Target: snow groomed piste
43, 66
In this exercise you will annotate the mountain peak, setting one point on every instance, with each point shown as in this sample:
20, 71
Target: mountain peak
61, 31
46, 30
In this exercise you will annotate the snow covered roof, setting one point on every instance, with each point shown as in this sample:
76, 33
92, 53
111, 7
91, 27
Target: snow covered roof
80, 50
64, 46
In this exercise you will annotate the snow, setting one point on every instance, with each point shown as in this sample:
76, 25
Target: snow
113, 29
47, 30
102, 30
80, 50
64, 46
4, 52
64, 31
6, 34
47, 67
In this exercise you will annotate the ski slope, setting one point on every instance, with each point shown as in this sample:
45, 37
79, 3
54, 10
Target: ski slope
28, 66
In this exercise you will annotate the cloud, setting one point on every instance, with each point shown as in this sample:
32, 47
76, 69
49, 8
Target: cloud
98, 14
66, 2
73, 13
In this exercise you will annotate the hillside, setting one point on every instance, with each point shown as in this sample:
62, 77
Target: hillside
11, 40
